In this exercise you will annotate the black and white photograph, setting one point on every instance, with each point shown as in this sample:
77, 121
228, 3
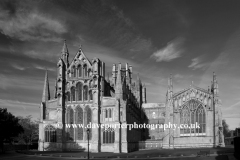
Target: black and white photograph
120, 79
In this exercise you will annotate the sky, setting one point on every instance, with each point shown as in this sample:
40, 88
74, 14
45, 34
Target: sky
189, 39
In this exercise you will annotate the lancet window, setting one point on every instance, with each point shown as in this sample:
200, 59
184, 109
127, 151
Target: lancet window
88, 119
79, 91
74, 71
70, 121
79, 119
79, 68
90, 95
85, 70
85, 93
73, 93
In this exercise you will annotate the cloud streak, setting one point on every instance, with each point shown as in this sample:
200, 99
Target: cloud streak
172, 51
16, 66
197, 63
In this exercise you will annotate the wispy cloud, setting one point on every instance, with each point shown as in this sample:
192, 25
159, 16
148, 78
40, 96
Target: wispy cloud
44, 68
198, 63
173, 50
16, 66
27, 24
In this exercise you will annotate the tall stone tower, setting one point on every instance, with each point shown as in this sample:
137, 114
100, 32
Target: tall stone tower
218, 128
169, 133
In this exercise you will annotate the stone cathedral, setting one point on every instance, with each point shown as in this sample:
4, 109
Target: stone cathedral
83, 95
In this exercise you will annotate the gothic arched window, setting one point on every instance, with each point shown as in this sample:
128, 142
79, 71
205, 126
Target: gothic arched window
74, 71
85, 93
201, 120
79, 119
88, 119
85, 70
191, 114
70, 121
73, 93
89, 71
50, 134
90, 95
185, 120
79, 91
110, 113
106, 113
79, 69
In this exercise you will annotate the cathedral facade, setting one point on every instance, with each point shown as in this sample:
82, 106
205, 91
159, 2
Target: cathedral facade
83, 95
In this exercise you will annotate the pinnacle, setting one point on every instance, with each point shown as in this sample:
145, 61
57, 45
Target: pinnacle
64, 49
46, 91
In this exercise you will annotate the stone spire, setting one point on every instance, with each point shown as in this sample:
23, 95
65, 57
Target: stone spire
118, 88
128, 78
170, 87
46, 91
65, 54
144, 99
114, 77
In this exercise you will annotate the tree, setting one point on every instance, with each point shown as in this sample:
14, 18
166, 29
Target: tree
10, 127
226, 132
30, 130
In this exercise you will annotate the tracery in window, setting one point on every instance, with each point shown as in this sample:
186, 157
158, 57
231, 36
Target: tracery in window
50, 134
193, 113
74, 71
108, 135
201, 119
